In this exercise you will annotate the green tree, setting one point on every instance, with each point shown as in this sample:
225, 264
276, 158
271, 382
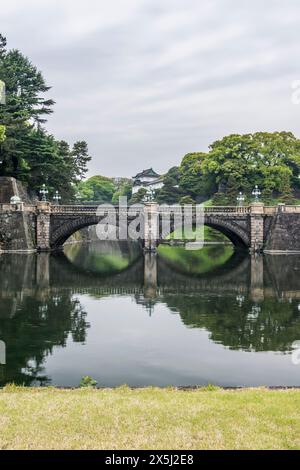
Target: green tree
97, 188
170, 192
45, 161
193, 182
25, 107
123, 190
81, 158
139, 196
28, 152
238, 162
186, 200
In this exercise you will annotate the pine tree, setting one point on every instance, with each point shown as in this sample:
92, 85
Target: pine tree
2, 45
27, 151
80, 155
25, 106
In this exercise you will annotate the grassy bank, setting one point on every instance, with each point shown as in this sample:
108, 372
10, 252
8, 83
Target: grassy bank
149, 418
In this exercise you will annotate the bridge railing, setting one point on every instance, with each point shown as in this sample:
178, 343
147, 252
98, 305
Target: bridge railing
70, 209
78, 209
30, 207
228, 209
292, 209
6, 207
270, 210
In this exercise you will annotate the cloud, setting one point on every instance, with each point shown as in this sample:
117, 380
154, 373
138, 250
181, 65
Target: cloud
146, 81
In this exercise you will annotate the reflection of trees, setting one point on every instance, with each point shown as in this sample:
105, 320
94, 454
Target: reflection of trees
241, 324
35, 329
38, 310
104, 257
195, 262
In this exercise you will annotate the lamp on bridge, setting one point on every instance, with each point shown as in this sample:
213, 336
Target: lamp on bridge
43, 192
56, 198
240, 198
256, 193
149, 196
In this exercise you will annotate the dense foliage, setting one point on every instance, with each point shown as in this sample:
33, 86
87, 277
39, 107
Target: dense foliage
28, 152
233, 164
101, 189
237, 163
270, 160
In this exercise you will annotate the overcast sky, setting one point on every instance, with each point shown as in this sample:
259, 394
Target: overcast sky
147, 81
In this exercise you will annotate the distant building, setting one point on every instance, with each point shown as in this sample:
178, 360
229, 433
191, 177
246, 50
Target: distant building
147, 179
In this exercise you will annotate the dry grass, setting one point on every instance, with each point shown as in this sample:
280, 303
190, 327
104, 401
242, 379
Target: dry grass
149, 418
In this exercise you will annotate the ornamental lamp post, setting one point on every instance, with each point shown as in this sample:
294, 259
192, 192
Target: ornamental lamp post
43, 192
240, 199
56, 198
149, 196
256, 193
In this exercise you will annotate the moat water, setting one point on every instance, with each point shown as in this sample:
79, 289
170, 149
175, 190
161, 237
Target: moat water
210, 316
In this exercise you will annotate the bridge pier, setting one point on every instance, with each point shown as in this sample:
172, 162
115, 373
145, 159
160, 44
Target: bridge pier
150, 275
257, 277
43, 270
257, 227
43, 226
151, 226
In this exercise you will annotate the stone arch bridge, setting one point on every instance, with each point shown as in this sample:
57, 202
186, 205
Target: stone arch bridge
45, 227
255, 227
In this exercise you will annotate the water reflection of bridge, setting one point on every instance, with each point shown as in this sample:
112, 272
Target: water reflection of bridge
236, 303
258, 277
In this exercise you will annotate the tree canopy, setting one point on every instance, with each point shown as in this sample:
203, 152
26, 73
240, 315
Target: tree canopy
270, 160
97, 188
237, 163
28, 152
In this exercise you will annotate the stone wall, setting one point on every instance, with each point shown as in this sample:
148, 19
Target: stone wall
17, 231
283, 233
17, 227
8, 188
11, 187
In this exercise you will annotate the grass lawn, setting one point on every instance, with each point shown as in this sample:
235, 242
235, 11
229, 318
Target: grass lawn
149, 418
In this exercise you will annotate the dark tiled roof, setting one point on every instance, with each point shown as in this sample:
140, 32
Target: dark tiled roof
148, 183
149, 172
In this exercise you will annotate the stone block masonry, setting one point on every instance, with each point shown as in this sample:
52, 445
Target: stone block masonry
17, 225
284, 231
8, 188
17, 231
257, 227
43, 226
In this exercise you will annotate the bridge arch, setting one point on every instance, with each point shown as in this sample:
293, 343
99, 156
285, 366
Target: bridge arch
59, 234
61, 230
236, 231
235, 226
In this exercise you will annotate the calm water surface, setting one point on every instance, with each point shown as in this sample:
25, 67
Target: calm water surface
180, 317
